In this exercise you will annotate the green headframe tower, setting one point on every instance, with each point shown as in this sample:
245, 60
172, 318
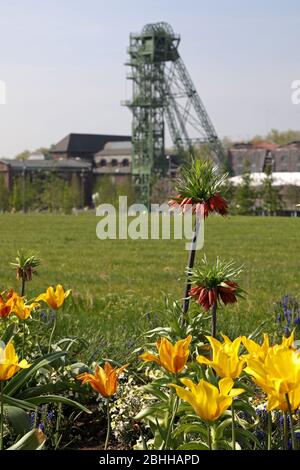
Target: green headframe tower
163, 93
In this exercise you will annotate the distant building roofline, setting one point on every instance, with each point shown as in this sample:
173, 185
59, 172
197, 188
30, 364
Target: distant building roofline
79, 143
62, 164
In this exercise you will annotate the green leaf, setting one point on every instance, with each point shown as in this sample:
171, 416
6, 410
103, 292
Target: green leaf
25, 405
193, 445
57, 399
78, 368
162, 432
33, 440
9, 333
248, 435
44, 389
150, 410
188, 428
220, 429
22, 377
18, 419
156, 392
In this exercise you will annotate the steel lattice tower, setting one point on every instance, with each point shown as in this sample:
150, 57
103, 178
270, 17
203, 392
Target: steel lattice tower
163, 91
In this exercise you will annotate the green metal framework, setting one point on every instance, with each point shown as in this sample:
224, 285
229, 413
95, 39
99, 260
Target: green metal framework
163, 91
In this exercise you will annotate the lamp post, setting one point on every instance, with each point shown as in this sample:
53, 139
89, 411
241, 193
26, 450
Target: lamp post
24, 186
82, 196
168, 157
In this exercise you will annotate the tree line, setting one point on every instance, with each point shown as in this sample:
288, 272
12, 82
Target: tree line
48, 192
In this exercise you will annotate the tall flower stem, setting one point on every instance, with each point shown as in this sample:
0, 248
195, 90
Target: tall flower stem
23, 285
291, 421
191, 261
233, 426
269, 443
214, 320
209, 437
23, 341
108, 424
2, 416
171, 423
51, 335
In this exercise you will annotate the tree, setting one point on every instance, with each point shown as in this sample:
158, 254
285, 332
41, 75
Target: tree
245, 195
16, 196
126, 188
291, 195
4, 195
32, 192
106, 190
76, 192
53, 193
271, 199
23, 155
279, 137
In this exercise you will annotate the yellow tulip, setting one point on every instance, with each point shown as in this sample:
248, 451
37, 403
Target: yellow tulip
225, 357
256, 350
208, 401
54, 298
287, 343
9, 364
260, 351
278, 375
21, 309
172, 357
277, 401
104, 380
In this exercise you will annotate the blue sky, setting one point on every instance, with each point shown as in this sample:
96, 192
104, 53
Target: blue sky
63, 64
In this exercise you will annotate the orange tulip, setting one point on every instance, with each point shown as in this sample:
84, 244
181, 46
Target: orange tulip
171, 357
7, 303
104, 380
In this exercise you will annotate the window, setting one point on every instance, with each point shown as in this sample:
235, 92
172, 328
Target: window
125, 162
114, 162
103, 162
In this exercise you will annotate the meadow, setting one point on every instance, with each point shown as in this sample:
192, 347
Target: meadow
119, 286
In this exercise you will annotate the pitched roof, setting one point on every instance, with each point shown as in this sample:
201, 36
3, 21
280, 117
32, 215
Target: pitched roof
115, 149
86, 143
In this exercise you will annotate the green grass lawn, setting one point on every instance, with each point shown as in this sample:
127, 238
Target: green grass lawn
115, 282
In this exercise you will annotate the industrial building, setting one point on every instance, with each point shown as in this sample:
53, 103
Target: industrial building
92, 156
87, 156
281, 158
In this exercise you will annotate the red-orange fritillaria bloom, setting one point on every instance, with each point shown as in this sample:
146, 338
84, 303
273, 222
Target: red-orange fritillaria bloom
207, 297
215, 203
